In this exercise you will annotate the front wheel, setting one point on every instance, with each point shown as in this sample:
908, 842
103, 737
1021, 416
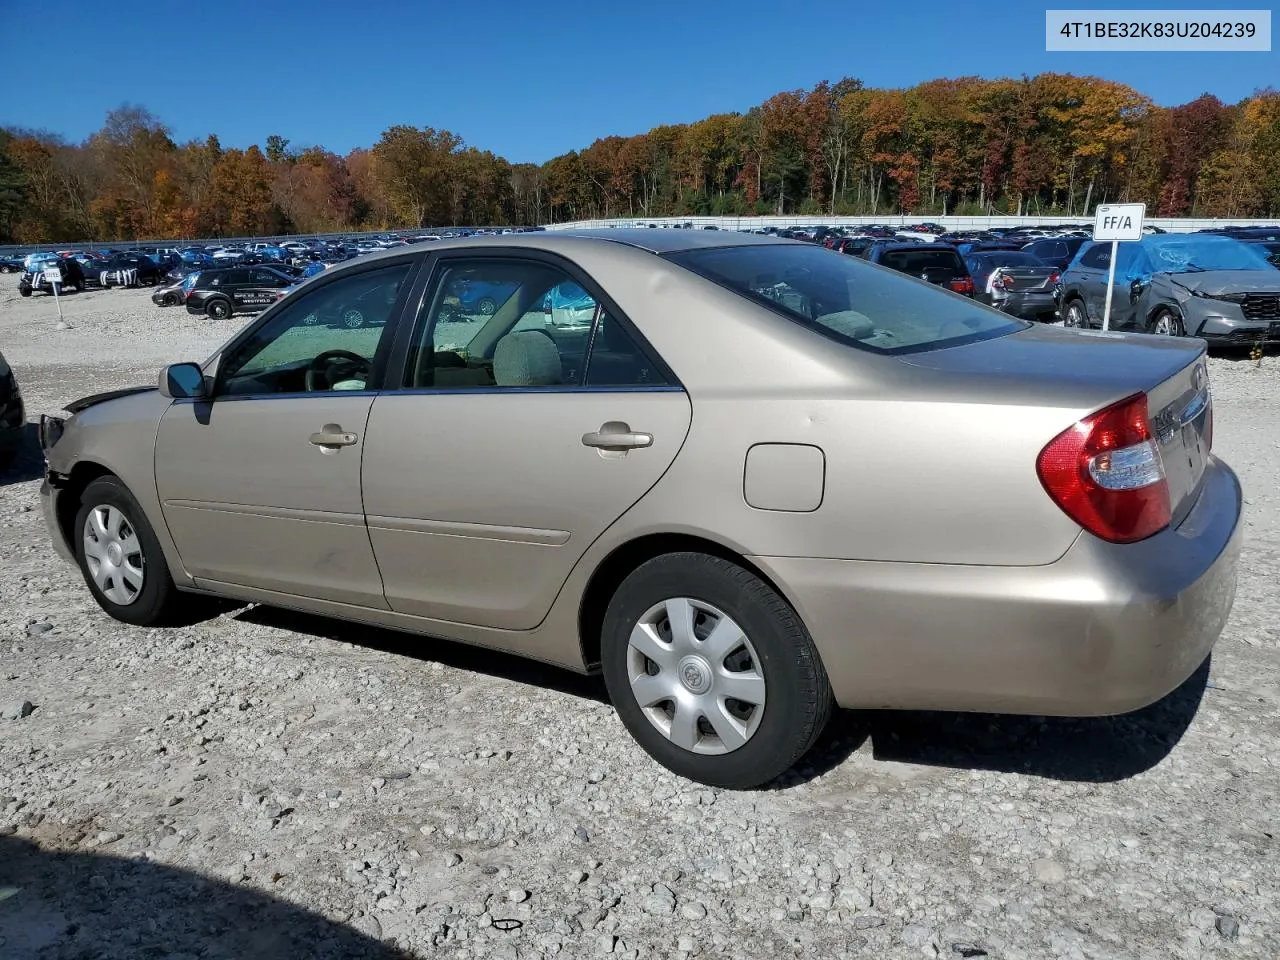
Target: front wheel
352, 319
24, 291
712, 672
121, 559
218, 310
486, 307
1166, 323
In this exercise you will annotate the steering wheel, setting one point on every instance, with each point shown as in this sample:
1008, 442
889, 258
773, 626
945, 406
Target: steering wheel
333, 366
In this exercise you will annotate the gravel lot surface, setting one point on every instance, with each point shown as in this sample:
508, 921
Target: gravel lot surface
267, 784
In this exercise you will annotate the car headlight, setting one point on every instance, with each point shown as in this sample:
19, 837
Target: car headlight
50, 430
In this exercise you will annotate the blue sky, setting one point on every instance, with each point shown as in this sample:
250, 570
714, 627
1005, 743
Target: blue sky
533, 79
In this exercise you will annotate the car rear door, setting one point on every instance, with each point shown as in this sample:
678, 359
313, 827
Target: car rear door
508, 449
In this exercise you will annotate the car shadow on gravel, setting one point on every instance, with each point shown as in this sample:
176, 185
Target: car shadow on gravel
24, 462
64, 904
1088, 750
505, 666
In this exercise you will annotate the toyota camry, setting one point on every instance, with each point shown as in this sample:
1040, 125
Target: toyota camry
762, 480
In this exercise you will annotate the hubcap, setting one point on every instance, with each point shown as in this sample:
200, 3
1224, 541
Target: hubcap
696, 676
113, 555
1164, 325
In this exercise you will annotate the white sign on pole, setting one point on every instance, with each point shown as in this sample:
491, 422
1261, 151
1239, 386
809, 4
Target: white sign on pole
54, 277
1119, 223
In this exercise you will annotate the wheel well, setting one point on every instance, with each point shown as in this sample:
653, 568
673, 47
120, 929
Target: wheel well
82, 474
618, 565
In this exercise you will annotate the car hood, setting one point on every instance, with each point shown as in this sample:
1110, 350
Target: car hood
1215, 283
84, 403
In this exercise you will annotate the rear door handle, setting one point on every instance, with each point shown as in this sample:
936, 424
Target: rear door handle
326, 439
620, 440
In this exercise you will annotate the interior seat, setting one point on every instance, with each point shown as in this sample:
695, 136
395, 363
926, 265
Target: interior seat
527, 358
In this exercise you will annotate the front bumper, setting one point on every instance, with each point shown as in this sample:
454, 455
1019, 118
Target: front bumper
49, 508
1105, 629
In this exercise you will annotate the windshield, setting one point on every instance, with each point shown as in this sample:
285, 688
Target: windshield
847, 299
1192, 254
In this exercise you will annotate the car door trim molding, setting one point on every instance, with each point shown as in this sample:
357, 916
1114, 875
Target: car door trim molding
470, 531
299, 395
283, 513
546, 388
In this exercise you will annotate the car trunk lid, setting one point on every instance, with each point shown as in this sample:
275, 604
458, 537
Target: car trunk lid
1084, 371
1027, 278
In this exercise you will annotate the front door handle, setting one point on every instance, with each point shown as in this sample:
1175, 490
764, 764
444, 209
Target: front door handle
617, 436
333, 438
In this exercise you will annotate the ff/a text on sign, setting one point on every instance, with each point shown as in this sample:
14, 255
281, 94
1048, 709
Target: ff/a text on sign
1181, 30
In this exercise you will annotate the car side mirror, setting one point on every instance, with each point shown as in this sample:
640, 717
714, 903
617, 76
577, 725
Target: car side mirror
182, 381
1137, 288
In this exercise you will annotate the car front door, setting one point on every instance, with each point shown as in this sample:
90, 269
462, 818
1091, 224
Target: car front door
260, 485
511, 445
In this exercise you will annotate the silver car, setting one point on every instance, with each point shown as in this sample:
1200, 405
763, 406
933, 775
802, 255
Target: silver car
764, 480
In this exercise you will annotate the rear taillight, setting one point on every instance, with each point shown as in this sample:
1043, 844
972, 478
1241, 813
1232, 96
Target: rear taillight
962, 285
1105, 472
1053, 278
1007, 281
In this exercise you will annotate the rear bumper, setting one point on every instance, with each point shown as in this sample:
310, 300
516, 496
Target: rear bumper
1030, 304
1105, 629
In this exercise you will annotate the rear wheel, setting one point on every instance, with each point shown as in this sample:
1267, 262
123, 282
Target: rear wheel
712, 672
486, 307
352, 318
121, 559
218, 309
1166, 323
24, 291
1075, 316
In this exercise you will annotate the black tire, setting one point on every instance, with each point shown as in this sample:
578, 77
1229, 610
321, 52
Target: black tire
218, 310
24, 291
798, 700
1074, 314
486, 307
1170, 321
158, 603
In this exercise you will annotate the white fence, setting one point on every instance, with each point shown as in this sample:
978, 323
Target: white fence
1172, 224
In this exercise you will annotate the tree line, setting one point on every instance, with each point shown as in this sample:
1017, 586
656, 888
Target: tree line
1053, 144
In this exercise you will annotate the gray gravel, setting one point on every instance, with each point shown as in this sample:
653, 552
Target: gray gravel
268, 784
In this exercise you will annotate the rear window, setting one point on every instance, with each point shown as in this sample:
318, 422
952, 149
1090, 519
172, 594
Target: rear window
1011, 259
938, 264
847, 299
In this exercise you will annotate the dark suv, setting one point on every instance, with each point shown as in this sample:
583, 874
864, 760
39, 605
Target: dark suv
221, 293
935, 262
72, 277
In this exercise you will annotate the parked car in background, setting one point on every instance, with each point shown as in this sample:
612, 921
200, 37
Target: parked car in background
13, 417
35, 279
1055, 251
221, 293
853, 246
1196, 284
10, 263
131, 270
935, 262
658, 500
1015, 282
